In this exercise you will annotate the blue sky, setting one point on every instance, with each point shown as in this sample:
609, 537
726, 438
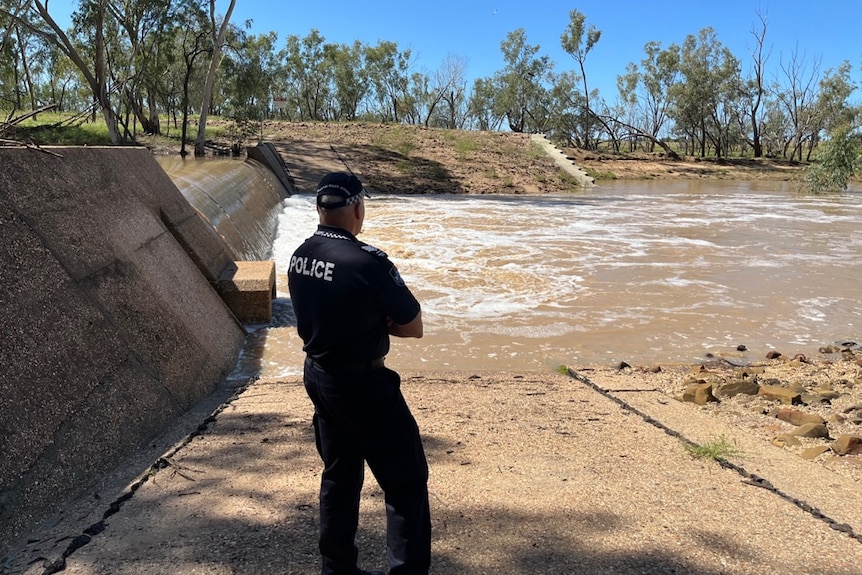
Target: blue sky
824, 30
828, 30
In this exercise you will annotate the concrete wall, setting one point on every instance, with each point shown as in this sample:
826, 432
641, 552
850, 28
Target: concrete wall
111, 327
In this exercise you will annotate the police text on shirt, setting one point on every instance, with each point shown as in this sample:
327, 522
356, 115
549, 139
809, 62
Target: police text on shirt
317, 268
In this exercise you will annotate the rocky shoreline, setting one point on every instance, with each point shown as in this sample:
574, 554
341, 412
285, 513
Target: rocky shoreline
810, 406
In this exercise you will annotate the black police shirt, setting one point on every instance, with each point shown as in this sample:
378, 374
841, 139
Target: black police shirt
343, 291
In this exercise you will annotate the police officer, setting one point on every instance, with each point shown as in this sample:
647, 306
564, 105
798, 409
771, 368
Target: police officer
349, 298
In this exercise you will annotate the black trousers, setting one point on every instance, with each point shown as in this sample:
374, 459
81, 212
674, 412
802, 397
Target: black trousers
361, 417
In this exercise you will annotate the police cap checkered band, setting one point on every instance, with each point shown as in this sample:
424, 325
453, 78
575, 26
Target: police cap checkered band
339, 189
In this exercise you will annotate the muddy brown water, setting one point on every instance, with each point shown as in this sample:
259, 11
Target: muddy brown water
642, 272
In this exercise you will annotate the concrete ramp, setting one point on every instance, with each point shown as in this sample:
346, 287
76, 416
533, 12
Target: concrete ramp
563, 161
111, 324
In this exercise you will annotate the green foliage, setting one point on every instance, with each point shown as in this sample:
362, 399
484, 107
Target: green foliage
61, 129
696, 95
536, 151
562, 369
405, 166
838, 161
400, 140
716, 449
601, 175
578, 45
518, 93
465, 145
438, 173
702, 101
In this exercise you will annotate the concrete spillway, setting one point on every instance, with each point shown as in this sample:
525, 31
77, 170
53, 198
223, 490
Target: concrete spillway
113, 324
238, 197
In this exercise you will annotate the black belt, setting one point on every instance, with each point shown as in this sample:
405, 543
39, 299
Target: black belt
347, 366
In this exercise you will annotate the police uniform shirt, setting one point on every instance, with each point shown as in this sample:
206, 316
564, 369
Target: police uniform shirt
342, 291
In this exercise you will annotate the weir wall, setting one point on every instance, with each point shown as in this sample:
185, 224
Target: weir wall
111, 323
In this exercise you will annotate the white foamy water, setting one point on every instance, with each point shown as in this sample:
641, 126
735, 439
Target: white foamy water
640, 272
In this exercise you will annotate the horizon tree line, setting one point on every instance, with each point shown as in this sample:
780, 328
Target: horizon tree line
152, 65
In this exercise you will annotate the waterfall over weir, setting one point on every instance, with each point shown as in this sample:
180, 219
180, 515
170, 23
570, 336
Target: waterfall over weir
240, 199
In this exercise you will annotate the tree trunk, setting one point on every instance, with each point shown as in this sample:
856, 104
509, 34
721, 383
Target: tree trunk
756, 139
206, 100
26, 68
651, 138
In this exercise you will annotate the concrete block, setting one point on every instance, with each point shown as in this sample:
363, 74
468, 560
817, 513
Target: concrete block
248, 290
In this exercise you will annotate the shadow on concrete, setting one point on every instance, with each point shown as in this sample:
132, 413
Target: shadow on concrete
111, 328
241, 497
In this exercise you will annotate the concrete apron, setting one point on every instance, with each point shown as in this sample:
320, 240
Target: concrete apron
530, 473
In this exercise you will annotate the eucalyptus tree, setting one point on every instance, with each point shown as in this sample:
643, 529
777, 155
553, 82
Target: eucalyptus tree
451, 84
65, 87
797, 96
388, 70
190, 40
24, 44
838, 161
89, 55
218, 30
578, 41
818, 109
567, 110
249, 69
519, 92
704, 103
647, 89
753, 90
417, 99
481, 113
137, 57
833, 111
306, 67
10, 93
442, 93
350, 83
776, 129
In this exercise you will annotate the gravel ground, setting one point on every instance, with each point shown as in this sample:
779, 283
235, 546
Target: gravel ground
530, 473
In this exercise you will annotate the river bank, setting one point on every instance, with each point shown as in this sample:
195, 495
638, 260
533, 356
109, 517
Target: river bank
414, 159
399, 159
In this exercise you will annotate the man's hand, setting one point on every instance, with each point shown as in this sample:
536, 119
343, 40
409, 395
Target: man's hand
412, 329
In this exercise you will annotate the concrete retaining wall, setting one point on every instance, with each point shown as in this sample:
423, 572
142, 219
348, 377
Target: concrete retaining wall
111, 327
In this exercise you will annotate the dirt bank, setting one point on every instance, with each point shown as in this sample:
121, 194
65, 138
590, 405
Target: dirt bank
413, 159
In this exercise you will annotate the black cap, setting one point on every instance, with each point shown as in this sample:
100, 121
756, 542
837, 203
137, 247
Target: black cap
339, 189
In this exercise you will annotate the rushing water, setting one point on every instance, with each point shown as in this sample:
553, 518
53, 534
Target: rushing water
645, 272
240, 198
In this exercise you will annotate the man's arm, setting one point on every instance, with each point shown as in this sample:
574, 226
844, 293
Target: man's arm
411, 329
